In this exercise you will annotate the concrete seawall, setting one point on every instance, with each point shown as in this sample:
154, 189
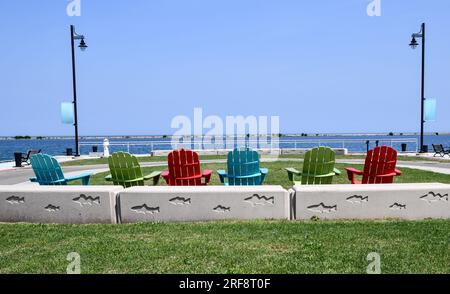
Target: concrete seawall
110, 204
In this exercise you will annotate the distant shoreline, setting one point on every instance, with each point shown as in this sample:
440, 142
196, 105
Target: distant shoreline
304, 135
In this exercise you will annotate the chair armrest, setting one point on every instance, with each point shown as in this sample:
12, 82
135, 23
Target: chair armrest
84, 177
292, 172
78, 177
165, 175
152, 175
222, 172
321, 176
354, 171
351, 174
222, 175
337, 171
392, 174
247, 176
109, 178
386, 175
207, 175
207, 172
264, 171
155, 176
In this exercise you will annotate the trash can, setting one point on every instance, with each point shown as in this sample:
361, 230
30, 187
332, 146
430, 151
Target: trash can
425, 148
18, 159
69, 152
404, 146
94, 148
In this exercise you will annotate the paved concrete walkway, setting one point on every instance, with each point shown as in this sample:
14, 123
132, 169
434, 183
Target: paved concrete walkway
20, 176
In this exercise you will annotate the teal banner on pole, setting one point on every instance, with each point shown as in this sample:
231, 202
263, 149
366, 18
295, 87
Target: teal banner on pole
67, 113
430, 110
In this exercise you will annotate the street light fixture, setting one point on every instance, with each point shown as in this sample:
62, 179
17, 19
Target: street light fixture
74, 36
414, 45
82, 45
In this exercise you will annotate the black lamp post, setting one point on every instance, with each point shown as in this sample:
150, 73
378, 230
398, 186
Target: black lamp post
74, 36
414, 45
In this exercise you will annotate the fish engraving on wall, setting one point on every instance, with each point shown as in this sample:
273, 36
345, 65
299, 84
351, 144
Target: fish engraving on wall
434, 197
144, 209
397, 206
256, 200
322, 208
84, 200
52, 208
222, 209
15, 200
358, 199
180, 201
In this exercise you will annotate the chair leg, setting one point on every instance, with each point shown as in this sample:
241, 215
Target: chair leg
85, 180
290, 176
351, 177
263, 177
156, 180
221, 178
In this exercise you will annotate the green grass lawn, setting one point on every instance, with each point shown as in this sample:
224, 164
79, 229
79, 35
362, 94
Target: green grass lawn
229, 247
278, 176
234, 246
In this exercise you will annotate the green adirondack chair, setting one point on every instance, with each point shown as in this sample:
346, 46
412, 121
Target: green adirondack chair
49, 173
126, 171
318, 168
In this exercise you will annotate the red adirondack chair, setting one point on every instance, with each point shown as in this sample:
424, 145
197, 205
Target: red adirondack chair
184, 169
379, 167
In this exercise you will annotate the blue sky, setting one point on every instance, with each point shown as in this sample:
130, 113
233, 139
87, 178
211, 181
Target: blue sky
322, 66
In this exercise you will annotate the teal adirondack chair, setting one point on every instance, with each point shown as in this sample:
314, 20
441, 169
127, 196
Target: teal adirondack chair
126, 171
318, 168
243, 169
49, 173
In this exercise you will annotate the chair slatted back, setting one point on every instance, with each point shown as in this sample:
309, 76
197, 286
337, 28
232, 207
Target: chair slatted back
438, 148
32, 152
379, 161
125, 167
318, 161
184, 168
243, 167
47, 170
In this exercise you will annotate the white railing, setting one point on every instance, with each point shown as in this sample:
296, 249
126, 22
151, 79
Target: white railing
353, 145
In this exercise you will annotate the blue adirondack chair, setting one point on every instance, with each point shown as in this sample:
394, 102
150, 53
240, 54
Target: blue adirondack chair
49, 173
243, 169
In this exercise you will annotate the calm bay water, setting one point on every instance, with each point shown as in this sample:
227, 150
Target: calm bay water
352, 143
